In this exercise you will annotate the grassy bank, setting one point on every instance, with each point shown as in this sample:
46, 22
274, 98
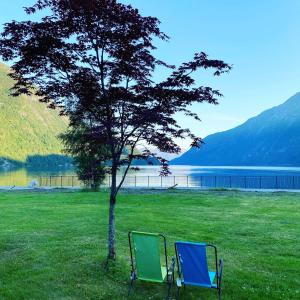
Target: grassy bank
52, 245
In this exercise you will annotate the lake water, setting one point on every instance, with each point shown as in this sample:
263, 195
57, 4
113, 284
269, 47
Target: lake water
222, 170
22, 177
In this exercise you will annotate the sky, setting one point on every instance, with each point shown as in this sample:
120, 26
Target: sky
260, 38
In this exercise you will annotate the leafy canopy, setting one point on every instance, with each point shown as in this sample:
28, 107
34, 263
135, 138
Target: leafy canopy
94, 60
88, 156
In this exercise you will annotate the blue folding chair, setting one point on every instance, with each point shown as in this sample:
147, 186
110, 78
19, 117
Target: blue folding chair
193, 268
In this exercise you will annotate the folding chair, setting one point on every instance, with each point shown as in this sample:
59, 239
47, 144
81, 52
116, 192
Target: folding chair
193, 268
145, 259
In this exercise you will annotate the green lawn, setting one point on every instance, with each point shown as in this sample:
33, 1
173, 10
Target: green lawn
52, 245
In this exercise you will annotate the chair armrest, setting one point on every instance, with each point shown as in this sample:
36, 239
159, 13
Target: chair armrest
220, 271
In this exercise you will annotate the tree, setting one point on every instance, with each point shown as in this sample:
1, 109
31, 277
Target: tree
88, 155
93, 59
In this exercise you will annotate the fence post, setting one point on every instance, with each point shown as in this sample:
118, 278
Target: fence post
293, 182
212, 181
260, 182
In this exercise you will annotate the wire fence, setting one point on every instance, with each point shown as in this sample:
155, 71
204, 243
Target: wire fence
206, 181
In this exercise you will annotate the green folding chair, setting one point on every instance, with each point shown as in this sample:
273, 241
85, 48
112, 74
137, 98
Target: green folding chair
146, 259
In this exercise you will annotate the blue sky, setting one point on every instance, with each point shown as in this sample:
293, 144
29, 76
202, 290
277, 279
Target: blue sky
260, 38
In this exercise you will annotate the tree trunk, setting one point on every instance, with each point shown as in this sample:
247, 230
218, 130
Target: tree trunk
111, 221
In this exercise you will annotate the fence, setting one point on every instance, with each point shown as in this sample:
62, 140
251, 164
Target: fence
206, 181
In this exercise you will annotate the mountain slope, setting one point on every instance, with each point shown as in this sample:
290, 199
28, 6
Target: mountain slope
269, 139
29, 130
27, 127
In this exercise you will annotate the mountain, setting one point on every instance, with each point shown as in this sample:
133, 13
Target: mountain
27, 127
29, 130
270, 139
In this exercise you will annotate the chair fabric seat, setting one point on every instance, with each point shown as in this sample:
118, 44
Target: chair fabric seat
212, 276
147, 257
164, 272
163, 276
193, 263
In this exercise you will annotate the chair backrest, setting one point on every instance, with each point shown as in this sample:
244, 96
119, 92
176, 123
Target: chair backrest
193, 263
147, 256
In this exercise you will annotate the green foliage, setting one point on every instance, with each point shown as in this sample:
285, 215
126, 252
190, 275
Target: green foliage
29, 130
89, 157
53, 244
48, 162
27, 127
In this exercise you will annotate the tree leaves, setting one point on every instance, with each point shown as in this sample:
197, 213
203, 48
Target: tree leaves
94, 59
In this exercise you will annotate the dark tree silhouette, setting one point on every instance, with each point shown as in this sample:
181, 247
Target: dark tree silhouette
93, 59
88, 157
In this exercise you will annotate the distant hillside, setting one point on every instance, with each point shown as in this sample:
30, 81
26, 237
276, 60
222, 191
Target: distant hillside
29, 130
28, 127
269, 139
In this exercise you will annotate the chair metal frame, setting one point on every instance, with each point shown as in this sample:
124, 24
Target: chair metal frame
170, 269
219, 271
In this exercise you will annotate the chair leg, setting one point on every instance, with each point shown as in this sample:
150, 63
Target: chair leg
177, 293
170, 284
219, 293
168, 293
130, 286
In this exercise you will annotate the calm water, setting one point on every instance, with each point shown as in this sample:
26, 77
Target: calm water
222, 170
22, 177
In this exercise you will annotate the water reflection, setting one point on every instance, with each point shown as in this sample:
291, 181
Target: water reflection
22, 177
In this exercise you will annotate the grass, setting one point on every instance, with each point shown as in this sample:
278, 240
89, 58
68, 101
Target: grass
53, 245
